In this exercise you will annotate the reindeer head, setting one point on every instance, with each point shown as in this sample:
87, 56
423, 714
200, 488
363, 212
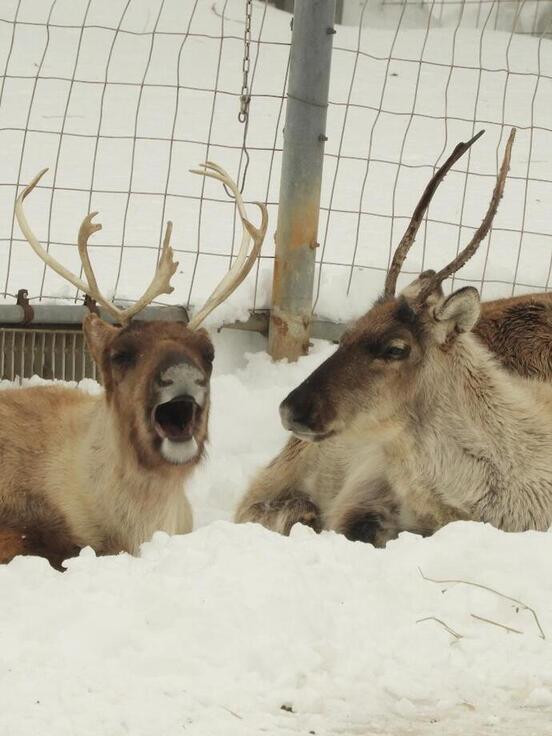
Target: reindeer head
377, 366
156, 374
156, 378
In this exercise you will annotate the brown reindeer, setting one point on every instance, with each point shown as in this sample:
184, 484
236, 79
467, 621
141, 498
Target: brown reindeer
412, 422
108, 470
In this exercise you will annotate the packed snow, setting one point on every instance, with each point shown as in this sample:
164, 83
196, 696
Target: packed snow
237, 631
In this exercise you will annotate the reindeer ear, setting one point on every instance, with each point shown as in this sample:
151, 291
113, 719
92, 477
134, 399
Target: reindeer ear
460, 311
98, 334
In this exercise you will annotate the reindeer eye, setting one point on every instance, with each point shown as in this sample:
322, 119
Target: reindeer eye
123, 358
396, 352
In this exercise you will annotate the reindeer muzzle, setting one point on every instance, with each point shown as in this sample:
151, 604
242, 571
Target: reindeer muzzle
303, 424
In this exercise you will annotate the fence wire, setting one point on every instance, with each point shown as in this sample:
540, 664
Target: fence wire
121, 99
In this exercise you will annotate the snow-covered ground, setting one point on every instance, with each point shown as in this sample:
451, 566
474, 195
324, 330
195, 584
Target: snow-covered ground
236, 631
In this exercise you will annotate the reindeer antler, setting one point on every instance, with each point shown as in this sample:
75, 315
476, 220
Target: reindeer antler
481, 231
410, 234
160, 283
244, 260
166, 266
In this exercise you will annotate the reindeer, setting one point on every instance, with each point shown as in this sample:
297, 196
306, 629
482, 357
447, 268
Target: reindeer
106, 471
413, 422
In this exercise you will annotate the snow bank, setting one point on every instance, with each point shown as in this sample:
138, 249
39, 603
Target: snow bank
237, 631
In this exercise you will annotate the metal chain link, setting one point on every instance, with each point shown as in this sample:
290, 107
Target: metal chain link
245, 96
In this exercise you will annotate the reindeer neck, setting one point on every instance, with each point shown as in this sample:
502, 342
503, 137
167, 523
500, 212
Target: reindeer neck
482, 439
127, 501
470, 390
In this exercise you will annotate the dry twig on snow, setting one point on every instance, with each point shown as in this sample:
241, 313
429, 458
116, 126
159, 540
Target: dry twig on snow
515, 601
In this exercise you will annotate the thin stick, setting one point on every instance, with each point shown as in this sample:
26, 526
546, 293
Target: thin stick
495, 623
232, 713
517, 602
453, 633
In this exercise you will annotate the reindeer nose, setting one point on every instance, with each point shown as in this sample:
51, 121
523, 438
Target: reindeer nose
182, 378
298, 413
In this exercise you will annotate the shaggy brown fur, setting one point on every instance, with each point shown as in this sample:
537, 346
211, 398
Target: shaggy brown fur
78, 470
519, 331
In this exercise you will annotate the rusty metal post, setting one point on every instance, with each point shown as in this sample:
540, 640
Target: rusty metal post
304, 138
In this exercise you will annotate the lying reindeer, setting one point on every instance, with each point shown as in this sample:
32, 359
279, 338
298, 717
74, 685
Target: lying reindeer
412, 422
108, 470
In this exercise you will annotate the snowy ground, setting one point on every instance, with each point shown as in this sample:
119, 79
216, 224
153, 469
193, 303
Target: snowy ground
235, 631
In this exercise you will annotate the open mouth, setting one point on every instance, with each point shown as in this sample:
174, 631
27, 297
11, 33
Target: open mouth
175, 419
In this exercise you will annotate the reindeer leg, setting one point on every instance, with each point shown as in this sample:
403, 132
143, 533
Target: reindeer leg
373, 512
367, 512
283, 511
12, 543
41, 538
275, 498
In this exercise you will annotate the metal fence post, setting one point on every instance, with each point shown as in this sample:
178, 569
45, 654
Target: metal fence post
304, 138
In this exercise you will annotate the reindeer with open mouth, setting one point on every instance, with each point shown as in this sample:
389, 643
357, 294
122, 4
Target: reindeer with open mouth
413, 422
107, 471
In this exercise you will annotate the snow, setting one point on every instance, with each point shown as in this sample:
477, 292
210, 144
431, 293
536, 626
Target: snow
397, 106
214, 632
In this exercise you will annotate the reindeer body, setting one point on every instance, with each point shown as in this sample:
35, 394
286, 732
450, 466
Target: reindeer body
467, 440
106, 471
68, 479
518, 331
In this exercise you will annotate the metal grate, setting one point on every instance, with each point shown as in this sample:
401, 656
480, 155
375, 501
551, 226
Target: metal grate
50, 353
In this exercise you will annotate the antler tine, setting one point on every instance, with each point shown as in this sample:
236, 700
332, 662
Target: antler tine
416, 220
481, 231
161, 282
215, 171
244, 260
159, 285
87, 229
33, 241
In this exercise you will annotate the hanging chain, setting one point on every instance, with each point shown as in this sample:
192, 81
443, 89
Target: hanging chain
245, 97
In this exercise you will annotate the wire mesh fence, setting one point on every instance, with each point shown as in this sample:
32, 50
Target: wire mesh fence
121, 99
